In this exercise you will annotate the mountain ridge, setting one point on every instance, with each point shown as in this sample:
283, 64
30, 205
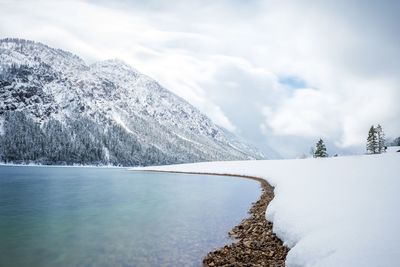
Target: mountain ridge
107, 108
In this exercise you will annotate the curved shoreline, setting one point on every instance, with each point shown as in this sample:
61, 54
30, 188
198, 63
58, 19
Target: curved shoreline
255, 243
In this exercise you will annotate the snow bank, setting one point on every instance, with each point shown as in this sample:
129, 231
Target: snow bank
340, 211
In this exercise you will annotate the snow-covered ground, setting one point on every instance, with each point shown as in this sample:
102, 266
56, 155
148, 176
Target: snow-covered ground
342, 211
393, 149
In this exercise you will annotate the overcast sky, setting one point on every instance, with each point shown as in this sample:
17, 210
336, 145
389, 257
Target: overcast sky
280, 73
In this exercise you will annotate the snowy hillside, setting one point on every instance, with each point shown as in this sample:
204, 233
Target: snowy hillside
340, 211
56, 109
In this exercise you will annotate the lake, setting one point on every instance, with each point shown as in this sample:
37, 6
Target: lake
81, 216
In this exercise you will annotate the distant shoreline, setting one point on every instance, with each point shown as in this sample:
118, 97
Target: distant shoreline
59, 166
255, 243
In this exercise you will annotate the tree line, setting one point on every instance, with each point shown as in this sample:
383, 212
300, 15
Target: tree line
76, 141
376, 143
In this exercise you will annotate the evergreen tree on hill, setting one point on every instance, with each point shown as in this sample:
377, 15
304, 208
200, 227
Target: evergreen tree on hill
320, 150
372, 141
381, 139
376, 142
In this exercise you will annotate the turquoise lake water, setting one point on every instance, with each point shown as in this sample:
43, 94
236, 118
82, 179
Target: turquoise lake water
60, 216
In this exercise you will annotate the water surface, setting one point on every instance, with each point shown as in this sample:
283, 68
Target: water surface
55, 216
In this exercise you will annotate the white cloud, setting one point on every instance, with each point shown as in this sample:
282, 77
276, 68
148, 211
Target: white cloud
307, 113
226, 58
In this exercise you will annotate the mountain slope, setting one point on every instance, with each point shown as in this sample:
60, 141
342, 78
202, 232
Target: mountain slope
56, 109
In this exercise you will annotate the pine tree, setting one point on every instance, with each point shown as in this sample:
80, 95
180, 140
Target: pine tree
320, 150
381, 139
372, 141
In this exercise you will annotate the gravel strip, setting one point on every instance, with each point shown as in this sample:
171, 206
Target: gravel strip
256, 244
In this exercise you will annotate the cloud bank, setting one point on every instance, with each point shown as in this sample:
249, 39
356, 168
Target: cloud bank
280, 73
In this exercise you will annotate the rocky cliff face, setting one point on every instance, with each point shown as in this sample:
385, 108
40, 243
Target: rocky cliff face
56, 109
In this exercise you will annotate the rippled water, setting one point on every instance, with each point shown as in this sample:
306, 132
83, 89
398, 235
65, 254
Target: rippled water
54, 216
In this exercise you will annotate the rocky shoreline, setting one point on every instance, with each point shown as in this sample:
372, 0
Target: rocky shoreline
255, 244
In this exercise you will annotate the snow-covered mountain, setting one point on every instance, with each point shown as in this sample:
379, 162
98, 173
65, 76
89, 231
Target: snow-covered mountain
56, 109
